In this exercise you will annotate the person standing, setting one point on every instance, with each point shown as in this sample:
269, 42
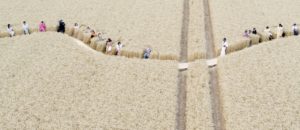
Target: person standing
108, 46
224, 47
268, 32
147, 53
280, 32
10, 30
61, 26
295, 29
42, 27
254, 31
119, 47
25, 28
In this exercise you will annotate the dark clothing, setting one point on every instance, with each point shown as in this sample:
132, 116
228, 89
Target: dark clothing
254, 32
296, 32
61, 27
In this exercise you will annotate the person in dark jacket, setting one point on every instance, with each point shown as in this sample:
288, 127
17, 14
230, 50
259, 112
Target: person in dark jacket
61, 26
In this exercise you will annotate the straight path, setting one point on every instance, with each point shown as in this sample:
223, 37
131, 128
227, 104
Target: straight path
216, 98
182, 74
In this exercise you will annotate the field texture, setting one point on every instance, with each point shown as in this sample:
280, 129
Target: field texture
138, 24
49, 82
199, 112
231, 17
260, 86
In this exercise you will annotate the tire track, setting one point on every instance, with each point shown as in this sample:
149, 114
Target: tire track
182, 74
216, 98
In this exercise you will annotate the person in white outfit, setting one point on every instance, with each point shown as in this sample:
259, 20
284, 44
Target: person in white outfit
224, 47
295, 29
25, 28
108, 46
119, 47
280, 32
269, 33
10, 30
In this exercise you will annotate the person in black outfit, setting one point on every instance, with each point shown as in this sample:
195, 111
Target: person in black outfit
61, 26
254, 31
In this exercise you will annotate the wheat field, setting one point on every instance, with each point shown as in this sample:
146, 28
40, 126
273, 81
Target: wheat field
49, 82
260, 86
230, 18
53, 81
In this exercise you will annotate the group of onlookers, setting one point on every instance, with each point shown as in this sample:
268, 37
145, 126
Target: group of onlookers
61, 28
280, 33
25, 27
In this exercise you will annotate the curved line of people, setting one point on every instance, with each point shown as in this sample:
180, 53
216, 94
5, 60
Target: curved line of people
280, 34
62, 28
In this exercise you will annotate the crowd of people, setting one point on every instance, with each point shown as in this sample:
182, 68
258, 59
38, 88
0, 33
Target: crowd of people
280, 34
147, 52
62, 29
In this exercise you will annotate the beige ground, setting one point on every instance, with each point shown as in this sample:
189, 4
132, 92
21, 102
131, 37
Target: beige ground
199, 112
196, 42
139, 23
260, 86
57, 84
231, 17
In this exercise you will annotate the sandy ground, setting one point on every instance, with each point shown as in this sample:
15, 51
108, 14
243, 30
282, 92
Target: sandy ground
260, 86
154, 23
49, 82
199, 112
231, 17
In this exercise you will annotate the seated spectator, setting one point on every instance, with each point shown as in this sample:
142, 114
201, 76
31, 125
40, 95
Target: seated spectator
76, 26
61, 26
25, 28
119, 47
295, 29
147, 53
42, 27
93, 34
10, 30
249, 32
224, 47
280, 32
108, 45
269, 33
254, 31
88, 29
246, 34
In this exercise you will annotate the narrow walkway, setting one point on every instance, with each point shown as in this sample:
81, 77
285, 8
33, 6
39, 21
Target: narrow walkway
182, 74
216, 99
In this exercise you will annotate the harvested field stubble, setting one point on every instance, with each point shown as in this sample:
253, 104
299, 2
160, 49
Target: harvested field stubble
260, 86
49, 82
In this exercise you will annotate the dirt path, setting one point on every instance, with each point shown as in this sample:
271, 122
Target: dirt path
182, 74
216, 99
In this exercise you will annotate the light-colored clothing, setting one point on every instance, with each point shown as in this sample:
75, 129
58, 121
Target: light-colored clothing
42, 27
119, 48
279, 32
108, 47
224, 48
268, 32
246, 34
11, 31
26, 28
295, 30
147, 53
